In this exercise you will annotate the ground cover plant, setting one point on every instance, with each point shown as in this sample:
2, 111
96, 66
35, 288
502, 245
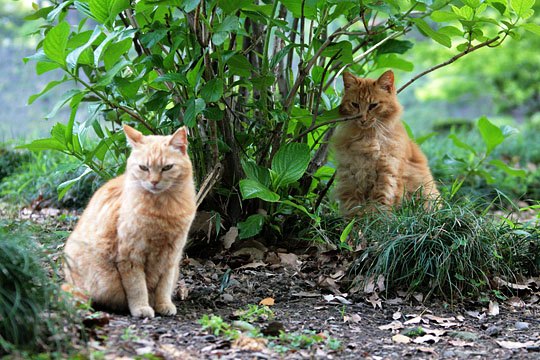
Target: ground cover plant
34, 314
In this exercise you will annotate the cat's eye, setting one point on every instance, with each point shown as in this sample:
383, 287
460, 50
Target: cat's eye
143, 168
166, 168
356, 105
373, 106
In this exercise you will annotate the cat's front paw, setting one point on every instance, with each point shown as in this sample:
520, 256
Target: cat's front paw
167, 309
143, 312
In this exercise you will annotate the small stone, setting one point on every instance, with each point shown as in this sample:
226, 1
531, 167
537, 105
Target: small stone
449, 354
493, 331
227, 297
521, 325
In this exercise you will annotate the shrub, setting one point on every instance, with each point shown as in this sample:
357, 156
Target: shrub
33, 315
11, 160
451, 252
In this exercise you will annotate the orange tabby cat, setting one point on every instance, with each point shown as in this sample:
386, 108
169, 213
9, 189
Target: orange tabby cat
126, 248
377, 163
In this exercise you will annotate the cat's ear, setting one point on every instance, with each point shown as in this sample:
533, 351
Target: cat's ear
179, 140
349, 80
133, 136
386, 81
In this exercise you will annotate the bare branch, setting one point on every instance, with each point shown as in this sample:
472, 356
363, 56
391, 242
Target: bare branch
448, 62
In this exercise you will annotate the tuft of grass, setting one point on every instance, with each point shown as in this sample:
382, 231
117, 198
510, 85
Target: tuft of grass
39, 176
451, 251
34, 316
10, 160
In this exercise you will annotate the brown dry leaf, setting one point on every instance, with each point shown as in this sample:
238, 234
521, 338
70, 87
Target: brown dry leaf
380, 283
438, 319
426, 349
436, 332
493, 308
501, 282
397, 315
394, 325
290, 260
460, 343
460, 318
375, 301
169, 351
307, 294
401, 339
427, 339
267, 301
514, 344
419, 297
516, 302
230, 237
338, 275
182, 290
249, 344
414, 320
328, 283
253, 265
369, 285
354, 318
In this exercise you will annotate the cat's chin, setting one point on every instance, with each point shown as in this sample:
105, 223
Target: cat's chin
154, 190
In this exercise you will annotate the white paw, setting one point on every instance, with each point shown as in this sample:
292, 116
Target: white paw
143, 312
167, 309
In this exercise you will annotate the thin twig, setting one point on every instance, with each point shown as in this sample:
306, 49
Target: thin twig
448, 62
315, 127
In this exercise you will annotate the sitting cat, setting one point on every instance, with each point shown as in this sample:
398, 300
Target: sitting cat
126, 248
377, 163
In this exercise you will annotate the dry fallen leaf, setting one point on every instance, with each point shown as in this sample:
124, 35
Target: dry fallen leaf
375, 301
397, 315
267, 301
354, 318
493, 309
230, 237
290, 260
514, 344
460, 343
253, 265
401, 339
438, 319
427, 338
249, 344
426, 349
414, 320
516, 302
436, 332
394, 325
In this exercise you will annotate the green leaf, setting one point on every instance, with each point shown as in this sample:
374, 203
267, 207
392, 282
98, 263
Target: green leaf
109, 75
289, 164
532, 28
194, 108
229, 6
256, 172
443, 16
251, 189
491, 134
44, 144
428, 31
295, 6
507, 169
395, 46
114, 51
66, 185
239, 65
73, 57
212, 90
55, 43
393, 61
45, 90
461, 144
105, 10
251, 227
522, 7
345, 234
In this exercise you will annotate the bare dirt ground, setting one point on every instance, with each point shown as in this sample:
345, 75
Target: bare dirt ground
382, 329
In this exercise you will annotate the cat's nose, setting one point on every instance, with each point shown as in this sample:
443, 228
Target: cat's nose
154, 182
